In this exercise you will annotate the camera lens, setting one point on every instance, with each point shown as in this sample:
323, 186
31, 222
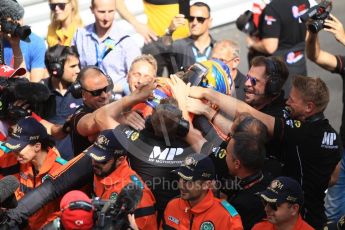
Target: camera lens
315, 26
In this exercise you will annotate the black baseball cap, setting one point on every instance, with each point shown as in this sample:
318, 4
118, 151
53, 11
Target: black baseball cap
27, 130
196, 167
105, 147
283, 189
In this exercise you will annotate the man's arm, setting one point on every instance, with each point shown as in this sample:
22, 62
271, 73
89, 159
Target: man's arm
265, 45
141, 28
314, 53
231, 105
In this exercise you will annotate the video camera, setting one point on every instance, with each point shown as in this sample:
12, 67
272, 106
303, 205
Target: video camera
12, 89
315, 17
245, 23
15, 29
112, 214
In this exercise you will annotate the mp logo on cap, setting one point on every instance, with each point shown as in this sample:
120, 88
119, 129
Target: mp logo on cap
17, 129
102, 140
190, 161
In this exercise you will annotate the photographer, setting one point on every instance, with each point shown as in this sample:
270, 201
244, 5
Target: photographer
281, 33
31, 45
335, 202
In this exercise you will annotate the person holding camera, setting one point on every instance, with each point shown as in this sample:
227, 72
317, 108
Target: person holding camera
310, 147
335, 202
31, 45
31, 157
281, 33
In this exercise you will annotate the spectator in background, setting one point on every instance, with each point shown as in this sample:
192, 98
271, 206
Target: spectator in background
282, 201
281, 33
32, 50
335, 199
228, 52
64, 22
198, 47
160, 19
105, 45
62, 63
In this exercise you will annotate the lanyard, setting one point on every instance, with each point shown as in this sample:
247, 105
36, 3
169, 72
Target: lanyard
202, 57
107, 46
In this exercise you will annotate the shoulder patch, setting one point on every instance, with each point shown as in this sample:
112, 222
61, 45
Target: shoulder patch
233, 212
4, 148
60, 160
137, 181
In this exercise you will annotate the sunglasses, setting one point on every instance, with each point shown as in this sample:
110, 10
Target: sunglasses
199, 19
272, 206
61, 5
252, 79
98, 92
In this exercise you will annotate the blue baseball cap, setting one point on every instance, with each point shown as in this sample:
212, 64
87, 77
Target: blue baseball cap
26, 131
283, 189
196, 167
105, 147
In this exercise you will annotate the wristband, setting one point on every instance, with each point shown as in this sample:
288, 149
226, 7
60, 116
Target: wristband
36, 117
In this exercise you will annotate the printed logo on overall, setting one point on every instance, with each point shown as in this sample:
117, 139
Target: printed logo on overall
207, 225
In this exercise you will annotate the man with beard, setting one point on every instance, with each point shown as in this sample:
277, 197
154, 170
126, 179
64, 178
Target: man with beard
310, 147
112, 173
62, 63
263, 87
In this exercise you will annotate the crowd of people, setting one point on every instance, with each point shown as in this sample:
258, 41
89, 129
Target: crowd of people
171, 135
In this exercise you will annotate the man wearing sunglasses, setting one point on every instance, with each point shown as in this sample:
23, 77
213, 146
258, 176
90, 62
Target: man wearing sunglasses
106, 45
198, 47
282, 201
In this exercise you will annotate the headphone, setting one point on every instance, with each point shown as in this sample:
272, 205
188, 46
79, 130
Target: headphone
274, 82
182, 124
76, 87
55, 66
80, 204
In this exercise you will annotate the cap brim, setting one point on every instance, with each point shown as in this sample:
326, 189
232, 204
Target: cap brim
19, 72
14, 144
268, 196
184, 173
97, 154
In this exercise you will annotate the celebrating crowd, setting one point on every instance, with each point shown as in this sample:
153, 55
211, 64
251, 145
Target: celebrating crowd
100, 133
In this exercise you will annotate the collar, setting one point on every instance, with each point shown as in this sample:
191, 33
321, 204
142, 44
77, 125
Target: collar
46, 166
117, 176
115, 33
201, 207
315, 117
190, 41
250, 181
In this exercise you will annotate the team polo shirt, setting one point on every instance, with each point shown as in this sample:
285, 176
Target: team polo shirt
153, 159
310, 151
